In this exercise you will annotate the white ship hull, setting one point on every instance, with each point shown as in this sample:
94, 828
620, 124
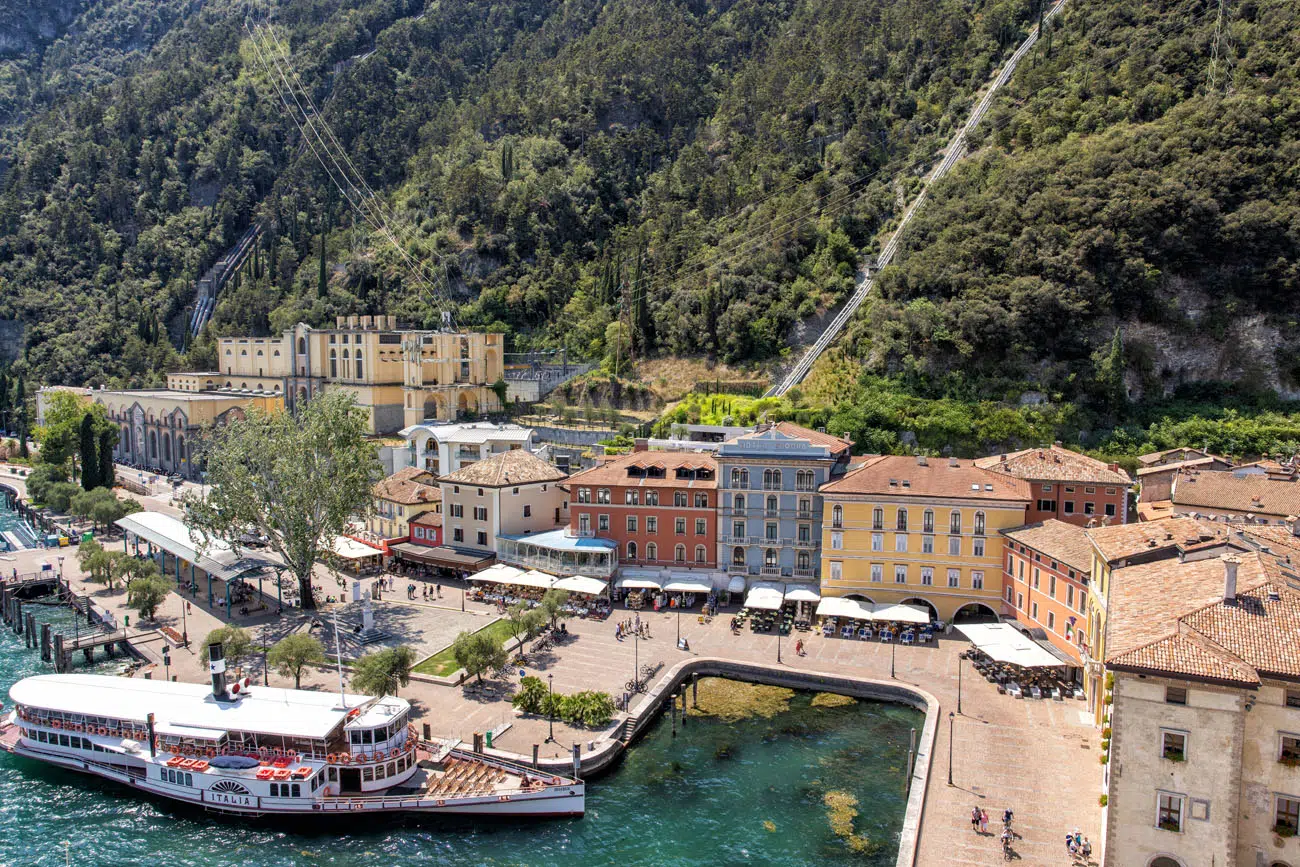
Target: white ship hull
568, 800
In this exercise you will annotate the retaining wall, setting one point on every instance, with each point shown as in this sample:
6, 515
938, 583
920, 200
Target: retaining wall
605, 753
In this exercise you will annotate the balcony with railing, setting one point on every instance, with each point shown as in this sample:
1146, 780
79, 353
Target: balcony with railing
805, 573
770, 571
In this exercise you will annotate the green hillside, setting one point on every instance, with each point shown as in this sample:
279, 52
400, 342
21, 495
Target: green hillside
713, 172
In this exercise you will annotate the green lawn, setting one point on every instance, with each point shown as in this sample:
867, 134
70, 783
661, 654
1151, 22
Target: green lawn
443, 662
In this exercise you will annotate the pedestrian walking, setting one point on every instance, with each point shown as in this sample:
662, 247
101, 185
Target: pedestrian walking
984, 821
439, 586
975, 819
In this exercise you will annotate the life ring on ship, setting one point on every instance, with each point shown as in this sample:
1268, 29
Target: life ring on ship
293, 754
394, 753
332, 758
346, 758
363, 759
103, 731
157, 743
211, 752
56, 724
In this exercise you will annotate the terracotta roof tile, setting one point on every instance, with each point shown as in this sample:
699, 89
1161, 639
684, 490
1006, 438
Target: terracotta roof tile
1122, 541
408, 486
515, 467
1182, 654
1171, 616
834, 443
1259, 495
428, 519
1067, 543
902, 476
614, 471
1055, 464
1182, 453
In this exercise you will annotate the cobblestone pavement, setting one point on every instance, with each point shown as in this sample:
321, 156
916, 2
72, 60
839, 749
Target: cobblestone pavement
1037, 757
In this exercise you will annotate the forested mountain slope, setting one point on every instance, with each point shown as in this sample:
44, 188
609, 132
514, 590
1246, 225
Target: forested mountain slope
712, 171
1116, 188
726, 159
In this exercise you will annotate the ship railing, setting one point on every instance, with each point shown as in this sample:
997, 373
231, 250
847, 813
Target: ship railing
514, 767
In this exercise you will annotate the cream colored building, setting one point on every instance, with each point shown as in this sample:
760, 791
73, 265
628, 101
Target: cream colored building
400, 377
404, 495
511, 493
1204, 761
159, 427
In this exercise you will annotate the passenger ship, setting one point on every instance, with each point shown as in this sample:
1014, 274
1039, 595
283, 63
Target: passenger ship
267, 751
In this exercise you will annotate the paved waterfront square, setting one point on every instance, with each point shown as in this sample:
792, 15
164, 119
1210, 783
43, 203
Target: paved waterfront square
1038, 757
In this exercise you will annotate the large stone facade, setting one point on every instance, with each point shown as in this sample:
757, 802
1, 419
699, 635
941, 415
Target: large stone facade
400, 377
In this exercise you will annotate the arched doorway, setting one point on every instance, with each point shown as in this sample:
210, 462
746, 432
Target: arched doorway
466, 404
167, 448
861, 598
153, 445
975, 612
431, 409
180, 449
1164, 861
921, 603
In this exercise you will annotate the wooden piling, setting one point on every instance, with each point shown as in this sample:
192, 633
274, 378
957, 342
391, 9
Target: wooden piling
45, 643
695, 689
536, 749
60, 660
29, 634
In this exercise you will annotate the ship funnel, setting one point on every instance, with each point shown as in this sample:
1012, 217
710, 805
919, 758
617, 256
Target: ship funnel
217, 668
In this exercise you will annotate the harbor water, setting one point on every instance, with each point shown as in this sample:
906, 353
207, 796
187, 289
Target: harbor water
809, 785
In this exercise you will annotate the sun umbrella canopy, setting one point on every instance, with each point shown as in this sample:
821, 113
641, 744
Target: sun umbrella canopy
765, 595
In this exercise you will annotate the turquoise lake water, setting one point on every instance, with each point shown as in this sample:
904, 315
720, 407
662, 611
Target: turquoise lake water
702, 798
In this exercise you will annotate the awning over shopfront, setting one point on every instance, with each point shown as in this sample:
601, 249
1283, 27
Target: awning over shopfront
835, 606
1005, 643
838, 606
637, 582
765, 594
801, 593
533, 578
736, 584
350, 549
900, 613
440, 555
582, 584
498, 573
682, 583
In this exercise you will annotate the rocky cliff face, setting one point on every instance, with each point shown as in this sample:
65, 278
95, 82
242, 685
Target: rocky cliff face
29, 25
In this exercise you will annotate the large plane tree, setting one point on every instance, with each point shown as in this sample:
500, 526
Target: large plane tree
296, 479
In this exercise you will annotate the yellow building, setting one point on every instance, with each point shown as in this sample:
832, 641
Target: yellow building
921, 531
1118, 547
159, 427
400, 377
399, 498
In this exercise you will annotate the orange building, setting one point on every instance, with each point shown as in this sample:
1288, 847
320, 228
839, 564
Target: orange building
660, 508
1067, 485
1045, 582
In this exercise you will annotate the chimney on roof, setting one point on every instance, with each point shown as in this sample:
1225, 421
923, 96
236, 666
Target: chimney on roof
952, 462
1113, 467
1230, 565
1294, 523
1058, 444
920, 461
640, 444
1002, 459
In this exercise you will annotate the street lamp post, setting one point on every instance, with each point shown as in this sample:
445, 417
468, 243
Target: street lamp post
951, 717
778, 641
185, 631
266, 676
891, 658
959, 656
636, 662
550, 708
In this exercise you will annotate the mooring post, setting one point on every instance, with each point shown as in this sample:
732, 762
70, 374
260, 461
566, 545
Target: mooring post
428, 732
536, 750
683, 708
695, 689
478, 742
59, 661
672, 712
45, 642
30, 632
577, 761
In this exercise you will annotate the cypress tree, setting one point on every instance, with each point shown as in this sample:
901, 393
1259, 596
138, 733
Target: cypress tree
107, 475
90, 475
20, 409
